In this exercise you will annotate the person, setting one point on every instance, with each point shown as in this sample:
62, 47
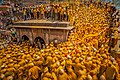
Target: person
61, 14
52, 12
68, 15
24, 13
28, 13
38, 12
47, 12
115, 39
112, 73
42, 12
59, 9
78, 53
39, 44
65, 14
1, 26
56, 12
62, 75
31, 13
35, 13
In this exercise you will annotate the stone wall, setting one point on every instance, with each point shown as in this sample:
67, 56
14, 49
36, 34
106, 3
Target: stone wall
47, 35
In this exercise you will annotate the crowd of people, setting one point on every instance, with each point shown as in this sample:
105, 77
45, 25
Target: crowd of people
46, 11
53, 11
84, 56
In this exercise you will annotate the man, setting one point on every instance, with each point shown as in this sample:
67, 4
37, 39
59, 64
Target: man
115, 38
42, 12
47, 12
24, 13
61, 14
65, 14
59, 9
31, 13
56, 12
13, 33
35, 13
38, 12
28, 13
52, 12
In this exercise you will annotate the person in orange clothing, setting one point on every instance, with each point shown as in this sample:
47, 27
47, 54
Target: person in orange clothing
64, 13
24, 14
42, 12
61, 14
35, 13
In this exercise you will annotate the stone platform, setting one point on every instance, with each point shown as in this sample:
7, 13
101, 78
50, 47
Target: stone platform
42, 23
46, 31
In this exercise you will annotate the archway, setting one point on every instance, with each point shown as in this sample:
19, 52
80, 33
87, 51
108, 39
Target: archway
39, 42
25, 38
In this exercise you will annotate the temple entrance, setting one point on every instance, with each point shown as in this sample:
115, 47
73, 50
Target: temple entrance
39, 42
25, 38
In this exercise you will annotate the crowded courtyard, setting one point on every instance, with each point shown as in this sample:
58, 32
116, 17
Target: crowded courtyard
90, 50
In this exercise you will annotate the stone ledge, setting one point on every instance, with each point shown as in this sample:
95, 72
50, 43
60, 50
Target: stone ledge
42, 23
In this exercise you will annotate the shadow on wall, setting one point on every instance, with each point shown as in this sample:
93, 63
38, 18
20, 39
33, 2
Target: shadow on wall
25, 38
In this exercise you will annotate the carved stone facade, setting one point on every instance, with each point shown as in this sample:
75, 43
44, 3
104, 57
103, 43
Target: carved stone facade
47, 33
